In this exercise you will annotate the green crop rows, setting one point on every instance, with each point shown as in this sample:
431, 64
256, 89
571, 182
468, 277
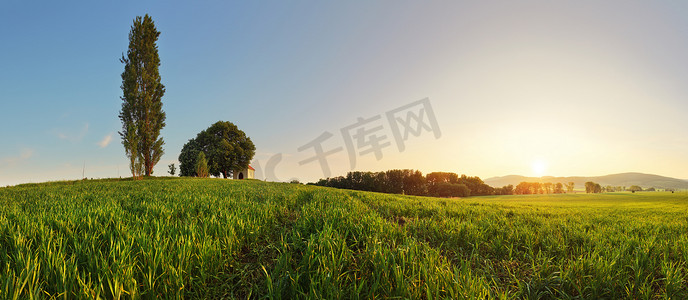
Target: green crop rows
213, 238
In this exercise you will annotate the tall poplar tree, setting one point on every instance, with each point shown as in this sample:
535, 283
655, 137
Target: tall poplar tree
142, 115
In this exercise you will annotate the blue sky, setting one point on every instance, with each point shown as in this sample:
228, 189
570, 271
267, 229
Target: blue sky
572, 88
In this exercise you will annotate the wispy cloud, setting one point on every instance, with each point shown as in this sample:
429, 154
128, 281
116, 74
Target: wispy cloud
12, 160
73, 137
105, 141
26, 154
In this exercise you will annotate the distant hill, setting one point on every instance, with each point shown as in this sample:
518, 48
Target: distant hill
622, 179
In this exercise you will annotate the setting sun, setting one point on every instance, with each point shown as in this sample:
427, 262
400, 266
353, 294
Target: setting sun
539, 167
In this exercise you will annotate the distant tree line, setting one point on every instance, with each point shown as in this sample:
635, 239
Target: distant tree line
412, 182
446, 184
529, 188
591, 187
612, 189
635, 188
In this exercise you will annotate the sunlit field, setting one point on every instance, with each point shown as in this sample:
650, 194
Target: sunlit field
213, 238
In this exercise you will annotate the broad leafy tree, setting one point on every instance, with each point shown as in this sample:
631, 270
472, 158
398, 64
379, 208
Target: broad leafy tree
635, 188
591, 187
142, 115
187, 158
225, 146
569, 187
558, 188
414, 183
476, 185
446, 189
395, 181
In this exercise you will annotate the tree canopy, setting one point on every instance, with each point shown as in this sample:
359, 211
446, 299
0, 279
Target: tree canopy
635, 188
225, 146
142, 115
412, 182
591, 187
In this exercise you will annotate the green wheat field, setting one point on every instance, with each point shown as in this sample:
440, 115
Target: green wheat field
214, 238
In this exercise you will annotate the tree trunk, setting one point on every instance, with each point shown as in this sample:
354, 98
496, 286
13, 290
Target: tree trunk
147, 162
149, 168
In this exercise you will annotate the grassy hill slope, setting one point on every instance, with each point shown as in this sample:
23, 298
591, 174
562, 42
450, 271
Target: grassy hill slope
211, 238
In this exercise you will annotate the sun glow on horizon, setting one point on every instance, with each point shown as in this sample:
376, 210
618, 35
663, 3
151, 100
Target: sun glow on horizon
539, 167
